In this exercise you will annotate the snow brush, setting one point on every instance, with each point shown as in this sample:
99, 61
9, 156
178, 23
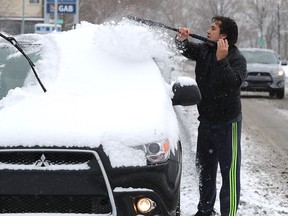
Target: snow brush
157, 24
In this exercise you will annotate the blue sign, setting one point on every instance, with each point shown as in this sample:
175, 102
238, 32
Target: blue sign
64, 6
61, 1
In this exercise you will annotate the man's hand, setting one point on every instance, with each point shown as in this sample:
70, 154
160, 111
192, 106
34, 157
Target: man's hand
183, 34
222, 49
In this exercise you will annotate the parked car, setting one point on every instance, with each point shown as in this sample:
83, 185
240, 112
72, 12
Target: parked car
101, 138
264, 72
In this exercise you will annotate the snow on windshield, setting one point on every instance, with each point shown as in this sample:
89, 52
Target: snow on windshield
103, 87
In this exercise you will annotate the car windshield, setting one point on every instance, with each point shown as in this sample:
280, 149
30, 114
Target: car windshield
259, 56
14, 68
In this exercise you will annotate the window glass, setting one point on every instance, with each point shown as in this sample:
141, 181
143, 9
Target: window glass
260, 57
14, 68
34, 1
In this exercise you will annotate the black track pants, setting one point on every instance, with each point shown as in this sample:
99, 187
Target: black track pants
219, 143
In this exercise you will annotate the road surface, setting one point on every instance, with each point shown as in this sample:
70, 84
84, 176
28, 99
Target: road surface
264, 114
265, 156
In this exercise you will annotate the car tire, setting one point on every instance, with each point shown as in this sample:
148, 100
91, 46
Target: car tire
280, 95
178, 210
272, 94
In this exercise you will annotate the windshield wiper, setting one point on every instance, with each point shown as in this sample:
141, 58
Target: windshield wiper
14, 42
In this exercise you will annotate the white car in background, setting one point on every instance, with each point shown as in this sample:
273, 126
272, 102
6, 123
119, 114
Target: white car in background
265, 72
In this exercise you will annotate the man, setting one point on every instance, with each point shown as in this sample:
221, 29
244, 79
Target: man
220, 70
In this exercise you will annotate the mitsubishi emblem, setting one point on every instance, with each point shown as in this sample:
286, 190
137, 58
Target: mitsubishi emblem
42, 162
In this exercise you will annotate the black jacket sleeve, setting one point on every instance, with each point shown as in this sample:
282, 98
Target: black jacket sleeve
232, 69
188, 49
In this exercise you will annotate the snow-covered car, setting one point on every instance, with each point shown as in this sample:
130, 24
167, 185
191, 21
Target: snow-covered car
264, 72
101, 137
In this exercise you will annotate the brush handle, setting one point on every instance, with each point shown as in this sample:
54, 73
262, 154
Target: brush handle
153, 23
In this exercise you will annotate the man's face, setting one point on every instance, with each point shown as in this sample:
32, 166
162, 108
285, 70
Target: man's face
213, 32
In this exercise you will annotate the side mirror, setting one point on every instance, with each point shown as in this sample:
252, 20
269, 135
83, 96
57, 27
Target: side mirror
284, 62
186, 92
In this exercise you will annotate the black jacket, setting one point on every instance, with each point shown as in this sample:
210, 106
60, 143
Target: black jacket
219, 81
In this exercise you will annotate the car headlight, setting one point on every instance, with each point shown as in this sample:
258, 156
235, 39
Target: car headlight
280, 73
156, 152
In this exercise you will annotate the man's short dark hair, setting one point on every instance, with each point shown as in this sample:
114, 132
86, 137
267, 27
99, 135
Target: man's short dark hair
229, 27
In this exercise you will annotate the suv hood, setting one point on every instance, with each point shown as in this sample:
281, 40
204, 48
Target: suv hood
97, 92
257, 67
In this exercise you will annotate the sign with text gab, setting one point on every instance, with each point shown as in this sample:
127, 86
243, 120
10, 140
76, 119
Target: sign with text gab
64, 6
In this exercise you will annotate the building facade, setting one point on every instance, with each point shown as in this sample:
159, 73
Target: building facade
20, 16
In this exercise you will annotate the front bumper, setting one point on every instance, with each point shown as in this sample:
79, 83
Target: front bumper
259, 81
82, 181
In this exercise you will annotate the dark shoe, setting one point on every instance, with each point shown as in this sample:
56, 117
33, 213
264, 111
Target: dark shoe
199, 213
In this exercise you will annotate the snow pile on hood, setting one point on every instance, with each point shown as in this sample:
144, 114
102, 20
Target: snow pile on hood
103, 88
132, 42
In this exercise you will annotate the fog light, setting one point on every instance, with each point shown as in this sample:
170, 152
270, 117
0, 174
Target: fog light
145, 205
280, 84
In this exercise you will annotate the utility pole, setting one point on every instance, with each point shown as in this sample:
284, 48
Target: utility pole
76, 16
46, 15
23, 17
56, 14
278, 28
261, 41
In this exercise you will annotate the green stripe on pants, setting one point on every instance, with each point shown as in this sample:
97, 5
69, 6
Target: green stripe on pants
233, 171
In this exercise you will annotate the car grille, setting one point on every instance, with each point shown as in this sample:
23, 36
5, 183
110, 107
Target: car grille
53, 181
55, 204
26, 158
259, 78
